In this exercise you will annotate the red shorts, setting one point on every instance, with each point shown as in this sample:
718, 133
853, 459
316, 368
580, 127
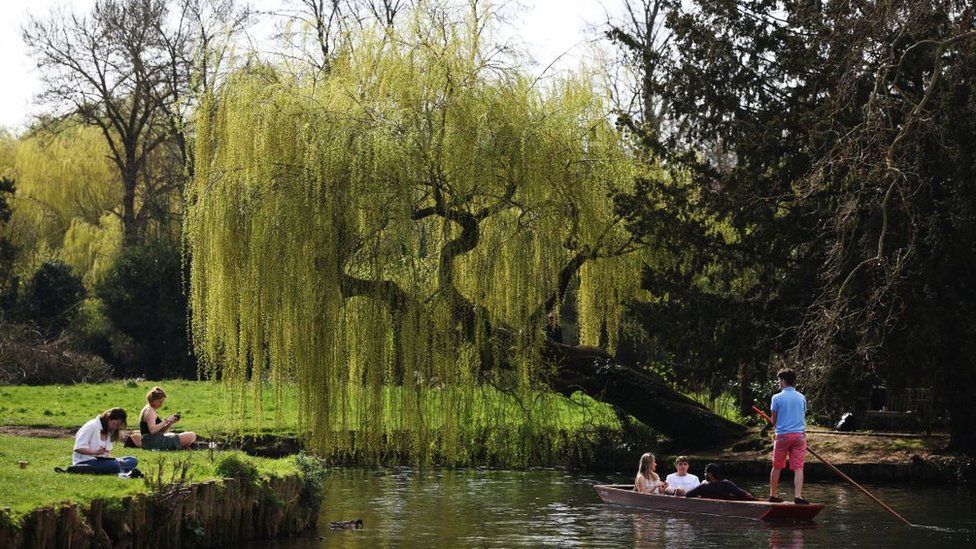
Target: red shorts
792, 444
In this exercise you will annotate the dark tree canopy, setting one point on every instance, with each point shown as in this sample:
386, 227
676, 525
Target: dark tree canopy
145, 300
833, 146
50, 296
8, 251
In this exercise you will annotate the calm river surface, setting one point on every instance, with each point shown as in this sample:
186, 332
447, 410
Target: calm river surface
488, 508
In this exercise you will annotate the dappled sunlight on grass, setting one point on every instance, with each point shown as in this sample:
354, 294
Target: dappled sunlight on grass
211, 408
38, 484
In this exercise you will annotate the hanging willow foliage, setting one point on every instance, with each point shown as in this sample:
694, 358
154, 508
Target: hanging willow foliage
391, 236
66, 189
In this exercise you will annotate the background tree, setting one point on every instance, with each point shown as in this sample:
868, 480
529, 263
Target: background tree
108, 68
133, 69
643, 41
8, 250
844, 160
200, 48
143, 296
50, 297
313, 30
68, 199
713, 320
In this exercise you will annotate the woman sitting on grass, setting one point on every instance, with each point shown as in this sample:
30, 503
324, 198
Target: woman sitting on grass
647, 481
154, 430
93, 444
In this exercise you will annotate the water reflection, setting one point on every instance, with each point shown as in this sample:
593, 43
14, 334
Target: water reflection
663, 531
484, 508
676, 530
786, 538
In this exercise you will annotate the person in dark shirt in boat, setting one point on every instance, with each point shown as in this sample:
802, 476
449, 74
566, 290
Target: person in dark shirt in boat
716, 487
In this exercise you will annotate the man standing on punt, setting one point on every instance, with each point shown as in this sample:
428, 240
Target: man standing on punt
789, 409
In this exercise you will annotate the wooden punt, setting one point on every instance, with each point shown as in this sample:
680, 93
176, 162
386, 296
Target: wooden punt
624, 494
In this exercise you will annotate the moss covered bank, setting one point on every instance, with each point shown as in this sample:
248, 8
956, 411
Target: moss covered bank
205, 514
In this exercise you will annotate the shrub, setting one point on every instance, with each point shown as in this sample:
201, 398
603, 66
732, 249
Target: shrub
236, 466
313, 473
28, 358
143, 298
91, 330
8, 251
51, 296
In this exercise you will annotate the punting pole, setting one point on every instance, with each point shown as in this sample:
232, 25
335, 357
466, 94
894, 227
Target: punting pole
842, 475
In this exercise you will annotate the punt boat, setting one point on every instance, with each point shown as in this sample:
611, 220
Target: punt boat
624, 494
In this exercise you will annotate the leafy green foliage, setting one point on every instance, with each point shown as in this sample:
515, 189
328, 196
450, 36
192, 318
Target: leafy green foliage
236, 465
394, 242
314, 472
50, 297
8, 250
828, 147
67, 196
143, 298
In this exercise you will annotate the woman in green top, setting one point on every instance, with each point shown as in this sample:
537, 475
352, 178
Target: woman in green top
155, 435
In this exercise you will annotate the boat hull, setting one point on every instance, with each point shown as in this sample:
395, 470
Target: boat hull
620, 494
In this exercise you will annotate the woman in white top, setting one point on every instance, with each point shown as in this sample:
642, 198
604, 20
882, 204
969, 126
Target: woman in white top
647, 481
93, 444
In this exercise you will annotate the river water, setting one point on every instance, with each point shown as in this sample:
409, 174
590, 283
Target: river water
488, 508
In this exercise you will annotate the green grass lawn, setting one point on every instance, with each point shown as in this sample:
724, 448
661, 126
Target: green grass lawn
206, 407
211, 409
38, 484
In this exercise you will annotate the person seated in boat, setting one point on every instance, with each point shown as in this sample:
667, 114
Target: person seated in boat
717, 487
681, 482
648, 481
154, 430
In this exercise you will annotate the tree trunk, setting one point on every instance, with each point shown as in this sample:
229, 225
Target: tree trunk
641, 394
130, 229
745, 391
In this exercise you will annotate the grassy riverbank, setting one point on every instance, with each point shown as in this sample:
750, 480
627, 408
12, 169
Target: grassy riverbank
38, 485
206, 407
211, 408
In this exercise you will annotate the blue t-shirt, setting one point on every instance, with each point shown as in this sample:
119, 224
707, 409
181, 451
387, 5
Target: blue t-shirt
791, 408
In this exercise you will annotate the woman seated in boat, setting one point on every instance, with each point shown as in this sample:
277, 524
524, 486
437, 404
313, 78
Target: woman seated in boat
154, 430
716, 487
647, 481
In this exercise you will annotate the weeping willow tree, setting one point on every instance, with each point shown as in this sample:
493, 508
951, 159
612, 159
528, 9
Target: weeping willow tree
393, 236
8, 148
67, 190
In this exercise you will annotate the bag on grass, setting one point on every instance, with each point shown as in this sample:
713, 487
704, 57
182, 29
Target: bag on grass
76, 469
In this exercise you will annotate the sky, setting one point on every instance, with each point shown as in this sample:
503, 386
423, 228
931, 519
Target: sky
552, 30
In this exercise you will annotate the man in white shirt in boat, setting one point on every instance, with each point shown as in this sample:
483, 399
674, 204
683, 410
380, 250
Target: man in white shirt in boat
682, 482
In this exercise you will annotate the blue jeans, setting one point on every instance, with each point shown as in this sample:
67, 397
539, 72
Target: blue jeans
109, 466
